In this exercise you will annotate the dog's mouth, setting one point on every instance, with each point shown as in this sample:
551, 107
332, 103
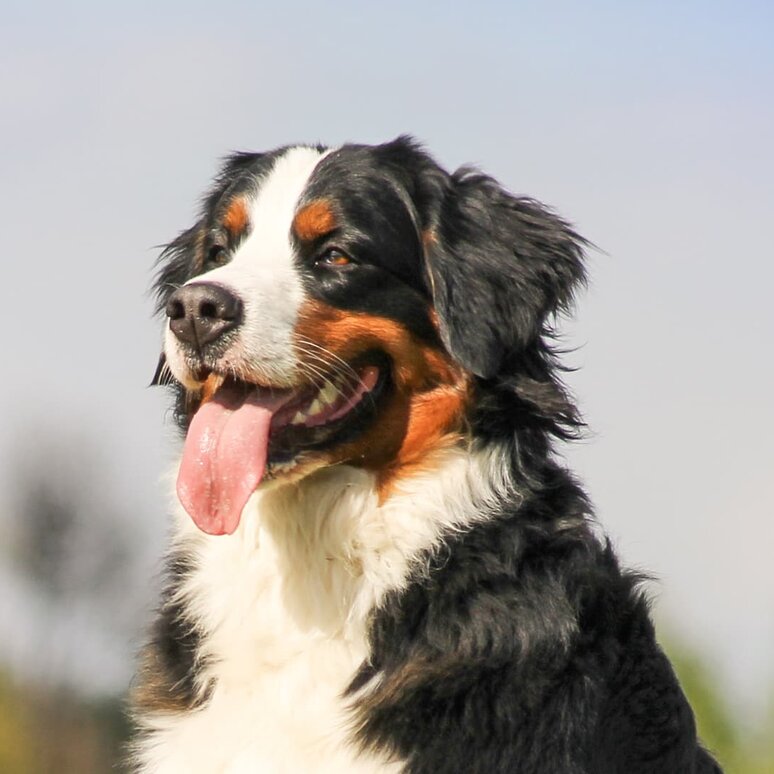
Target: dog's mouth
245, 434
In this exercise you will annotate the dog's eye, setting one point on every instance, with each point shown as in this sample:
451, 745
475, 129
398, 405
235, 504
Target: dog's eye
335, 258
217, 256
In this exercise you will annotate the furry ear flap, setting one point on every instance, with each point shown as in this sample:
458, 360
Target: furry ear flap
499, 266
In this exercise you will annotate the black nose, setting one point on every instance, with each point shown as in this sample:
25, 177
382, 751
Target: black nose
201, 312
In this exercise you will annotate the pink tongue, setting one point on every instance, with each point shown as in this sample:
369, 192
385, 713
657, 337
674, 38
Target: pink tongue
224, 459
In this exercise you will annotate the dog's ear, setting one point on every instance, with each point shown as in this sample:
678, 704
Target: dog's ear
499, 266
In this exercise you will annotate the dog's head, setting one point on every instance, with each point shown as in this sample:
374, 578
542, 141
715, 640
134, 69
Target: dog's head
345, 306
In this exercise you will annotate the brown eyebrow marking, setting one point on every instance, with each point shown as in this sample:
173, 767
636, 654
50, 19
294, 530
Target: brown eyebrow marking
236, 218
315, 220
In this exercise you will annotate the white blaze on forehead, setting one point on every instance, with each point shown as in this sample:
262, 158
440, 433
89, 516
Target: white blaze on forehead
272, 210
263, 274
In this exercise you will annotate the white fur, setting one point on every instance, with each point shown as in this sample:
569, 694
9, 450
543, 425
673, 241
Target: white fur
282, 607
262, 274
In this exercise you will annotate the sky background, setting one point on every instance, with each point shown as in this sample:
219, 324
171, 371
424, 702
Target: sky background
650, 126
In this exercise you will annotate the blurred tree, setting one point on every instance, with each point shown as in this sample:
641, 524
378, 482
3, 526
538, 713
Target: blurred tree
714, 722
739, 748
52, 731
74, 545
71, 537
17, 750
71, 544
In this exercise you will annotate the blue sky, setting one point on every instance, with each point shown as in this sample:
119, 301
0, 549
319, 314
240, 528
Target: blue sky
648, 125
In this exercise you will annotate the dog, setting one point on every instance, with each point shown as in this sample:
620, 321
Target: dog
378, 564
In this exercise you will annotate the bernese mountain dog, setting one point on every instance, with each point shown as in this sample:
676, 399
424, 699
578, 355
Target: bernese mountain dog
378, 562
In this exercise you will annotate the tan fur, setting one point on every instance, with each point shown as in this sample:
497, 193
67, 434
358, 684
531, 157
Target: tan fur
211, 385
236, 219
154, 690
425, 412
314, 220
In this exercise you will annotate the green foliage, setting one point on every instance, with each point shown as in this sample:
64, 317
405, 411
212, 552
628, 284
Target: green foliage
740, 749
17, 750
53, 732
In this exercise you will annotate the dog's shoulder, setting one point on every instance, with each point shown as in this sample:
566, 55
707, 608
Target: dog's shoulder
526, 647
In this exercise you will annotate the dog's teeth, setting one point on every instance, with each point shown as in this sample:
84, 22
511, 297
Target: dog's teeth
298, 419
328, 395
315, 408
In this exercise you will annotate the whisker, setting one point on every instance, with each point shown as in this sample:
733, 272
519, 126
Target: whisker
341, 368
333, 363
334, 358
328, 375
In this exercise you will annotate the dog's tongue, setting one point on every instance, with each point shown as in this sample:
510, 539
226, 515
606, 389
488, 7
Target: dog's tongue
224, 459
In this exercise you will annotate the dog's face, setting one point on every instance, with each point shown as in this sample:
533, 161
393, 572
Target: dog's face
337, 306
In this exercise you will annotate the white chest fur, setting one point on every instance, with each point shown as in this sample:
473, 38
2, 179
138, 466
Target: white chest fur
282, 606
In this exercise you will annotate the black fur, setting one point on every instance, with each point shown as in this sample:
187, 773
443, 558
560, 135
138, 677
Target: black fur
525, 648
499, 267
521, 646
171, 659
377, 228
